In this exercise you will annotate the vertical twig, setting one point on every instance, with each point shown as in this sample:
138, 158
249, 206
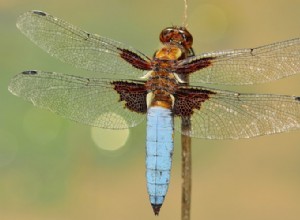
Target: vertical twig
186, 142
186, 169
184, 24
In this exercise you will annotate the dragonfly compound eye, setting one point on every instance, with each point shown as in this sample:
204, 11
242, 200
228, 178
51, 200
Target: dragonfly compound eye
177, 35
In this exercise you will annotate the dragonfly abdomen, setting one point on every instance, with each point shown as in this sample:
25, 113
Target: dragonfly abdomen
158, 154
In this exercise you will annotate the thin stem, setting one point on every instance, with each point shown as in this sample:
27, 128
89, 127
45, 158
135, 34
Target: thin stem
186, 170
185, 13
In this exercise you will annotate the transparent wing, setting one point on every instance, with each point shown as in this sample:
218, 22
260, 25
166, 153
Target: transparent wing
86, 100
228, 115
247, 66
79, 48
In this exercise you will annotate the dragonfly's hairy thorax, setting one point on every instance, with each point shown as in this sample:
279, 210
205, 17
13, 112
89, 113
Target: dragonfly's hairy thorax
162, 83
160, 87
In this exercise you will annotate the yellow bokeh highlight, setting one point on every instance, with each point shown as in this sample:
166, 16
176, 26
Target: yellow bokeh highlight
108, 139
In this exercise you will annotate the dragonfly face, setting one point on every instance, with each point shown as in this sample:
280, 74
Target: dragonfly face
136, 87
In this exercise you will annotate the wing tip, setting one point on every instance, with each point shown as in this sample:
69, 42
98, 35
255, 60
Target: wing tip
13, 86
27, 14
12, 89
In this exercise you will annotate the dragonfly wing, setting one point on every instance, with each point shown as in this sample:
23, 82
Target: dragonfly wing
81, 49
217, 114
96, 102
244, 66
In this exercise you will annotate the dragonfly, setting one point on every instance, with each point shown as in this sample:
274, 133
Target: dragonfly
166, 89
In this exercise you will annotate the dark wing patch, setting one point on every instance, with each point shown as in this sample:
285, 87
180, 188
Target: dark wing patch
188, 99
194, 65
134, 95
134, 59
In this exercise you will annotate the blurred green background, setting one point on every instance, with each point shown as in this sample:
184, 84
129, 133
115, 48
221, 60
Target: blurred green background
51, 168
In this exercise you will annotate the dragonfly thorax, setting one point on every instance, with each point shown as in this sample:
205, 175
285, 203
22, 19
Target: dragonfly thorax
161, 86
165, 59
169, 52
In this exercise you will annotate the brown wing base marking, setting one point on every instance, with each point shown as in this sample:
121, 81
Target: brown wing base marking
133, 94
194, 65
165, 65
134, 59
188, 99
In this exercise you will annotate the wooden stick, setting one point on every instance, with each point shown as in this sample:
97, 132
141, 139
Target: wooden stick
186, 175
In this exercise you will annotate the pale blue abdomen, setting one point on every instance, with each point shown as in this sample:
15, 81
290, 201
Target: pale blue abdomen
159, 150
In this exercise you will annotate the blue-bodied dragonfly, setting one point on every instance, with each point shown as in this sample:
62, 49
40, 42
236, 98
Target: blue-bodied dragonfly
135, 86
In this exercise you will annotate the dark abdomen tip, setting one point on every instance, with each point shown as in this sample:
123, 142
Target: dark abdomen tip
156, 208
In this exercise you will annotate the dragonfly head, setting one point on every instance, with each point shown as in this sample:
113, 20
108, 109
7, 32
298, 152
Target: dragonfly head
176, 35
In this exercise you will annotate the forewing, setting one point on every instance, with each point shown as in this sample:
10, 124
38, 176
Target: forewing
90, 101
226, 115
244, 66
81, 49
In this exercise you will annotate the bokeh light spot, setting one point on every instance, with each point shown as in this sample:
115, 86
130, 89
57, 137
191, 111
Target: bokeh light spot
108, 139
